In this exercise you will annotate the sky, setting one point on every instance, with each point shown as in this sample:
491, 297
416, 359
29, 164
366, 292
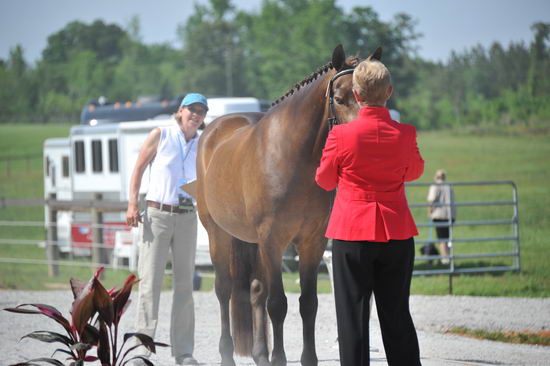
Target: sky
446, 25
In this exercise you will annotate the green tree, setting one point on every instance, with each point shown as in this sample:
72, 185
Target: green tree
212, 51
103, 39
77, 64
364, 31
264, 53
147, 69
286, 41
539, 63
485, 86
16, 93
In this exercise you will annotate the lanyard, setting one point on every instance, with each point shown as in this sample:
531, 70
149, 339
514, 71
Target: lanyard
183, 153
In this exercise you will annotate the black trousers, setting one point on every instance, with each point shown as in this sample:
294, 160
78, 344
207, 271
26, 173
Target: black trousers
359, 269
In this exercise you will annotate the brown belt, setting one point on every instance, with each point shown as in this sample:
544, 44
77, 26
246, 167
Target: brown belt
170, 208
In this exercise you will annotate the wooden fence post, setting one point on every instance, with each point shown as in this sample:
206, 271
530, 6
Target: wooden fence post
52, 251
98, 252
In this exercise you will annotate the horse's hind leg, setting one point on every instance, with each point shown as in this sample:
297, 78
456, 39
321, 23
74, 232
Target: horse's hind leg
310, 251
220, 244
258, 295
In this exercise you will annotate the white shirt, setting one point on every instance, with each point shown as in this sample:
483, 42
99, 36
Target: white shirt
173, 166
442, 194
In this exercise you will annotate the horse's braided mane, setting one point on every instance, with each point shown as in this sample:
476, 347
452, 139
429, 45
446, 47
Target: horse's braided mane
351, 61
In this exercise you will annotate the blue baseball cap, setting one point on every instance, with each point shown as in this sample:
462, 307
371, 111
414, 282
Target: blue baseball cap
193, 98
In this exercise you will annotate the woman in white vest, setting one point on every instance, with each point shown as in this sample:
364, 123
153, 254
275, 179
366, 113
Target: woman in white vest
168, 225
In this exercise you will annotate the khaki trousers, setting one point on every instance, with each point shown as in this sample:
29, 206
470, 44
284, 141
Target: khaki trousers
163, 233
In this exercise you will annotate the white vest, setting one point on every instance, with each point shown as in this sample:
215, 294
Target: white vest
173, 166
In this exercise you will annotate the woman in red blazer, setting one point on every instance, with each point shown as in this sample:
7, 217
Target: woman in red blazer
369, 159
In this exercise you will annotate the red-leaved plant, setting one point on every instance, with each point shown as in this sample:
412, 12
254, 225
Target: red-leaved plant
95, 315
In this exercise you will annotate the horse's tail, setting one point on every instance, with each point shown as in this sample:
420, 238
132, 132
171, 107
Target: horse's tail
243, 266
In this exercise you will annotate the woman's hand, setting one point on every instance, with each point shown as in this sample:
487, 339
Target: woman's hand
132, 215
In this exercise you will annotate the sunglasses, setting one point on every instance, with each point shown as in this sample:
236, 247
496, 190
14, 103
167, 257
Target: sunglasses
197, 110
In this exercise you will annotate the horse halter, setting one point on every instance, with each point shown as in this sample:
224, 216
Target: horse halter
333, 120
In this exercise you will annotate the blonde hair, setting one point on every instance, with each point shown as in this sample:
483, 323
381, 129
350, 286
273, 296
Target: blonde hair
371, 80
440, 175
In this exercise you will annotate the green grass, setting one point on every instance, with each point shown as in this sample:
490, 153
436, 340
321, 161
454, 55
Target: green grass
522, 159
16, 139
22, 178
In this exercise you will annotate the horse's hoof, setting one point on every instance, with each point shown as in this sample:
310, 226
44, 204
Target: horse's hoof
278, 360
228, 362
309, 361
263, 361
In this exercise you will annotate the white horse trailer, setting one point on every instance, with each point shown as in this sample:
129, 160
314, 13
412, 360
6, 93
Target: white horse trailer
99, 159
57, 184
220, 106
93, 160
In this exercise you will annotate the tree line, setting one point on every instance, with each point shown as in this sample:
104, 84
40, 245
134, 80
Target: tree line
230, 52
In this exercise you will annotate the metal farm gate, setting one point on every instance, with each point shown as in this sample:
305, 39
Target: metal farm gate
485, 236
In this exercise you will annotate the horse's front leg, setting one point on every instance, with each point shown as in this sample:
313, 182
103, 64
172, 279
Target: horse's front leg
309, 264
220, 243
223, 292
277, 306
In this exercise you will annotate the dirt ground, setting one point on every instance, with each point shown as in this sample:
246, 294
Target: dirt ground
433, 315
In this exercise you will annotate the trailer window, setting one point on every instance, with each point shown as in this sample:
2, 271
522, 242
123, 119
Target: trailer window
47, 166
65, 165
113, 155
79, 161
97, 159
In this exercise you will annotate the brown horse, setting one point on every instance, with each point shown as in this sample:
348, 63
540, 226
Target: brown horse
256, 193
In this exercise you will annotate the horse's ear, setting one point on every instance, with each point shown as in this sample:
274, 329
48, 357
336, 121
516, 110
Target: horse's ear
376, 55
338, 57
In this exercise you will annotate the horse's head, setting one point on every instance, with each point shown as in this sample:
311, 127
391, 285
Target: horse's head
343, 106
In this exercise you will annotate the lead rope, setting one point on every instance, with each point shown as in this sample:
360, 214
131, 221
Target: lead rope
333, 121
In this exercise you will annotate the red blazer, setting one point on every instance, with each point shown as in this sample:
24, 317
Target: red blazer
369, 159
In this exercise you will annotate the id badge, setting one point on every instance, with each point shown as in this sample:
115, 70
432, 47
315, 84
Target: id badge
184, 202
